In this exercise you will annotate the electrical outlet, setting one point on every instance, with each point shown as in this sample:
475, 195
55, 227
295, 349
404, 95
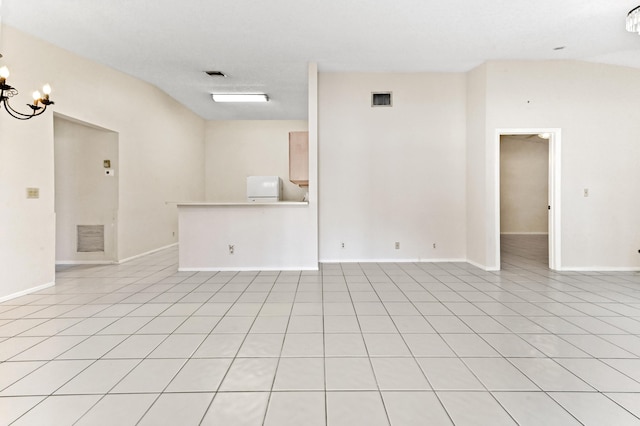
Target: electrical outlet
173, 234
397, 245
341, 245
586, 192
231, 248
434, 245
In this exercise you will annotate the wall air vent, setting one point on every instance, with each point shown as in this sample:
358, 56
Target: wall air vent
90, 238
381, 99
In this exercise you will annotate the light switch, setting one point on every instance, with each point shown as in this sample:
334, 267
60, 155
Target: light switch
586, 192
33, 193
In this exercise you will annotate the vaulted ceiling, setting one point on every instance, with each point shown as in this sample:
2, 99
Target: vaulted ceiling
265, 45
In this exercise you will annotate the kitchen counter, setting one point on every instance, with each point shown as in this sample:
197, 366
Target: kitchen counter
246, 236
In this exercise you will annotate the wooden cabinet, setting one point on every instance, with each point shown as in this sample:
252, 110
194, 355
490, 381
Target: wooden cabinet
299, 158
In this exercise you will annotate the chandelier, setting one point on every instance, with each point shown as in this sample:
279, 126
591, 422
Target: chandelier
40, 101
633, 20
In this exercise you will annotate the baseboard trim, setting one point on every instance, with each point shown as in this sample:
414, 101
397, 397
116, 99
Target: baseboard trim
137, 256
245, 269
85, 262
27, 291
599, 269
437, 260
524, 233
483, 267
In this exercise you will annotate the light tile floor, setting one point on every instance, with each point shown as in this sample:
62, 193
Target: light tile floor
354, 344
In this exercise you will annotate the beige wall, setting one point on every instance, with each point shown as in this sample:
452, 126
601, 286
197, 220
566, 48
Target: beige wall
236, 149
161, 146
596, 107
418, 173
476, 202
392, 174
84, 194
370, 162
524, 184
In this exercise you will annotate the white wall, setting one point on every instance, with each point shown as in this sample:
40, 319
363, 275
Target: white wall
596, 106
84, 194
27, 226
161, 157
476, 168
392, 174
524, 184
235, 149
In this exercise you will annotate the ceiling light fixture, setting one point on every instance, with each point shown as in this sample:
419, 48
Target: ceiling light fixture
633, 20
240, 97
7, 92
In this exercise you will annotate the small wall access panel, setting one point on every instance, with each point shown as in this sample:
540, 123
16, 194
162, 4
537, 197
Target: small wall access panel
90, 238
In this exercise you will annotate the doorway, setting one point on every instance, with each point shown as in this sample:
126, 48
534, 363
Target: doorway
86, 192
527, 191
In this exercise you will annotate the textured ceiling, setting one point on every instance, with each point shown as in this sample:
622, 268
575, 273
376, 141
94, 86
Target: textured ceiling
266, 45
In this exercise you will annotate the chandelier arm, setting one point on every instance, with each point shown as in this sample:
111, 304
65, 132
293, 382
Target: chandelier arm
19, 115
9, 111
7, 92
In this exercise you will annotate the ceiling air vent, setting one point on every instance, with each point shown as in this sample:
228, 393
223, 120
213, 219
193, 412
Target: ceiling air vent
216, 73
381, 99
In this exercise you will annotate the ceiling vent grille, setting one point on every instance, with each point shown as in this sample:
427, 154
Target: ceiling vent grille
379, 99
216, 73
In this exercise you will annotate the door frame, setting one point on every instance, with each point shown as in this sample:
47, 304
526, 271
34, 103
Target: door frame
555, 190
113, 228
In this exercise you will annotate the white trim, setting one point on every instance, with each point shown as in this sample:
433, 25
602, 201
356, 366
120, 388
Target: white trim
27, 291
555, 198
137, 256
419, 260
243, 204
245, 269
483, 267
524, 233
496, 206
555, 190
85, 262
601, 269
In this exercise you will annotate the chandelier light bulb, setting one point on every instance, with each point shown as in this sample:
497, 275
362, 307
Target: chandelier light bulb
46, 89
4, 72
36, 95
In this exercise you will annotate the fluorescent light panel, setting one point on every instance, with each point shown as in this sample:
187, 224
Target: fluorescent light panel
240, 97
